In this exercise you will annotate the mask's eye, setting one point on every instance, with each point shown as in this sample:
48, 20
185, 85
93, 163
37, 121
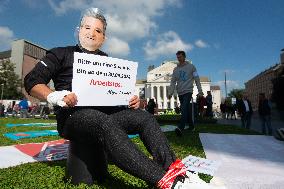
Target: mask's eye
99, 31
87, 27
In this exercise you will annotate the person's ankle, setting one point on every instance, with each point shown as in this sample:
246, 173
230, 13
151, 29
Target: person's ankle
177, 168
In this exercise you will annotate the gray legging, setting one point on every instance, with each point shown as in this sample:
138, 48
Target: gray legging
111, 131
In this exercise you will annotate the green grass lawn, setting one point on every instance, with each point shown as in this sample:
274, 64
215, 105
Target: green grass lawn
51, 174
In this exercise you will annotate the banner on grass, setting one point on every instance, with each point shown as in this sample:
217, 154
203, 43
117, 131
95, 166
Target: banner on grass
30, 134
31, 124
201, 165
33, 152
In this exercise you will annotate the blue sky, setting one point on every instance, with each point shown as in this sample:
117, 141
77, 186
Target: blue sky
241, 37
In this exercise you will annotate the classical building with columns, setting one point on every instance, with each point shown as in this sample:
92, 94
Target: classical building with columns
157, 86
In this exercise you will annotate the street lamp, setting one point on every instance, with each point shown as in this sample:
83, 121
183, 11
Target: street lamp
2, 85
226, 84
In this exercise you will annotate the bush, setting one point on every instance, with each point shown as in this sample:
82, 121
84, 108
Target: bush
167, 118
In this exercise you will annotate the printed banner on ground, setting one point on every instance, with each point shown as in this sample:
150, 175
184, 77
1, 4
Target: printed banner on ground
57, 150
103, 81
201, 165
33, 152
31, 124
30, 134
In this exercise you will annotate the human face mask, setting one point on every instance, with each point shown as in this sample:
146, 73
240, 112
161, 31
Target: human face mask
91, 34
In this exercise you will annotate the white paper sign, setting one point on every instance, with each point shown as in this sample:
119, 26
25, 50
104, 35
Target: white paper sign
103, 81
200, 165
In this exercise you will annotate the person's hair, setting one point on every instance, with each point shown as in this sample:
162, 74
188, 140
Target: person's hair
181, 52
262, 94
95, 13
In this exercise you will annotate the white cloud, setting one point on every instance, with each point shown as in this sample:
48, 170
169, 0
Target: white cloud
127, 19
34, 4
6, 37
167, 43
130, 26
63, 6
146, 7
117, 47
201, 44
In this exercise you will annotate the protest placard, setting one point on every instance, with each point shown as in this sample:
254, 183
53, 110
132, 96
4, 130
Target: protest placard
103, 81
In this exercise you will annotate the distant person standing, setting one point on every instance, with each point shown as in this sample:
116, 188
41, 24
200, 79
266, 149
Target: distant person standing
233, 111
143, 104
151, 106
2, 110
264, 112
209, 103
16, 109
245, 110
182, 79
223, 109
201, 102
24, 106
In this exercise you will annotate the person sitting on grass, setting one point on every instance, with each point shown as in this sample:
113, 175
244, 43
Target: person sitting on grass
108, 127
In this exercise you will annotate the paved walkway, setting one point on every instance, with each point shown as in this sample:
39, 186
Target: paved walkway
247, 161
276, 123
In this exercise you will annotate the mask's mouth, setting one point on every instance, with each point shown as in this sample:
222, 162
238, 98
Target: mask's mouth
91, 38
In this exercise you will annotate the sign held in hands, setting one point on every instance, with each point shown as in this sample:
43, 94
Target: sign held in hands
103, 81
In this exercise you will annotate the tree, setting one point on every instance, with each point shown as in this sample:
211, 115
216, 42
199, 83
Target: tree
236, 93
11, 81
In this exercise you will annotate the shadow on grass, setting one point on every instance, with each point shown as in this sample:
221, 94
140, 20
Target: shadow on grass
116, 179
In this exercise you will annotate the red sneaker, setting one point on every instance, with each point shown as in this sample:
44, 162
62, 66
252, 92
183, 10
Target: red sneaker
177, 168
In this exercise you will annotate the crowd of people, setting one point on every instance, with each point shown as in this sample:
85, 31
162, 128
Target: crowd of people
242, 108
25, 109
205, 105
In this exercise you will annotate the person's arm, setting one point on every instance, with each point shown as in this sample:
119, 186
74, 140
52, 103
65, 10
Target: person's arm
43, 92
197, 81
172, 85
40, 91
37, 79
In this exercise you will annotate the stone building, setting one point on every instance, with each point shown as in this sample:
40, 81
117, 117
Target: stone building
262, 82
216, 97
157, 85
25, 55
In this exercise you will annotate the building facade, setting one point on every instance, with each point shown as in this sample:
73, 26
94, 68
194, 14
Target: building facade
262, 83
216, 97
158, 82
25, 55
